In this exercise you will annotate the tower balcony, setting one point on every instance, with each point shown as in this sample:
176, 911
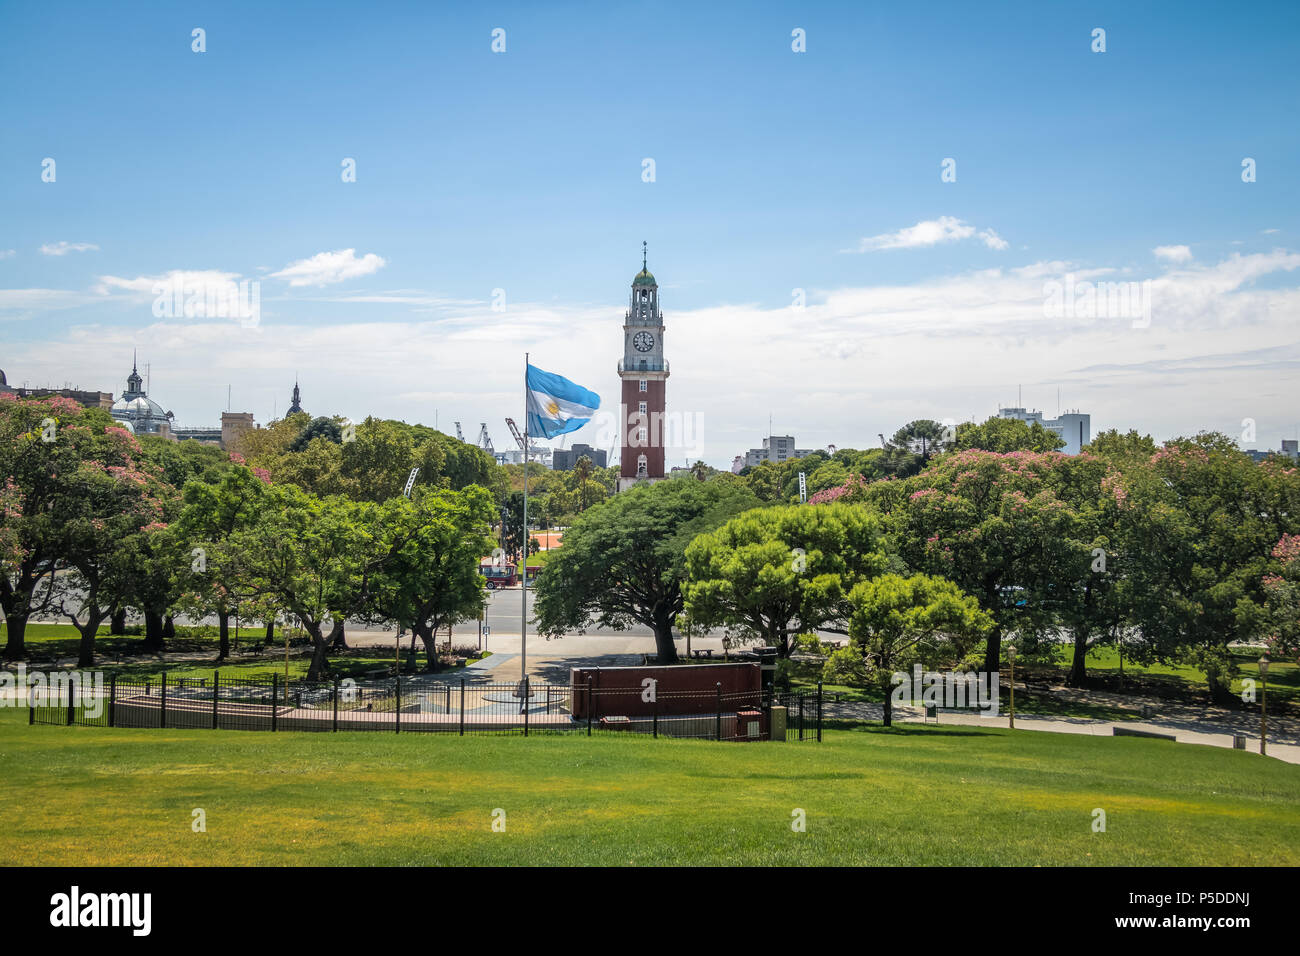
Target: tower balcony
643, 365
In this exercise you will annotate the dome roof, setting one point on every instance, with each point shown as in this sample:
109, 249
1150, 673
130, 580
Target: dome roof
644, 278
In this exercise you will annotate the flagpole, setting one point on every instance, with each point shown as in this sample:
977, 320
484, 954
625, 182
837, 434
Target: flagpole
523, 564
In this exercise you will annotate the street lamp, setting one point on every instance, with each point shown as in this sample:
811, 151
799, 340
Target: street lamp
1263, 705
1011, 656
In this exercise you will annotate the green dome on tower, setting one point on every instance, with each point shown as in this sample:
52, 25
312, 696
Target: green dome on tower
644, 278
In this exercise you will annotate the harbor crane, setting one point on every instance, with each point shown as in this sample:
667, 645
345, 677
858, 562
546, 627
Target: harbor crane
484, 439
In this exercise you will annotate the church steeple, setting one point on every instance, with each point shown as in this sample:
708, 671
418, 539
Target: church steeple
296, 405
134, 383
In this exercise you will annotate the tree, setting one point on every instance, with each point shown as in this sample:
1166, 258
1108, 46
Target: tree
912, 446
106, 503
39, 453
218, 509
1280, 626
1006, 435
431, 578
313, 557
992, 524
781, 570
1212, 519
623, 561
321, 427
898, 621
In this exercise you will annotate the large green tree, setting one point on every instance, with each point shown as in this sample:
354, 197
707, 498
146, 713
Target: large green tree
430, 578
777, 571
623, 561
899, 620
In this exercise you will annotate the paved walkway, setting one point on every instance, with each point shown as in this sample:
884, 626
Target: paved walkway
1281, 736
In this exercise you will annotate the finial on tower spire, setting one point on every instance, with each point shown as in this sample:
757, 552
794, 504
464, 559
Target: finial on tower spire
643, 255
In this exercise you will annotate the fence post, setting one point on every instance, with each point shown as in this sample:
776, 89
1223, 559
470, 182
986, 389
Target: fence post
801, 699
526, 692
162, 710
718, 735
112, 700
336, 703
397, 714
216, 695
462, 707
819, 711
72, 703
655, 724
275, 694
588, 705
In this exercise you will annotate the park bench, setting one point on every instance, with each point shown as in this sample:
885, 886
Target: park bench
702, 652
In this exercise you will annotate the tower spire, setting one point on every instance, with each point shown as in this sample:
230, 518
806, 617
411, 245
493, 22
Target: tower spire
643, 255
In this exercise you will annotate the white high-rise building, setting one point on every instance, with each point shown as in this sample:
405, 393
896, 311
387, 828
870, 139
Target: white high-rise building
1074, 427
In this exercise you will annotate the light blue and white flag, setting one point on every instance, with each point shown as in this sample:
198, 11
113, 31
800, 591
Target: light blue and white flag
556, 405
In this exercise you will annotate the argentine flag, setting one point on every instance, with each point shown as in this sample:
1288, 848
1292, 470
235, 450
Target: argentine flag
556, 405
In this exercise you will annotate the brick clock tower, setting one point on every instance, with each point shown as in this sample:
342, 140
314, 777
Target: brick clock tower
644, 372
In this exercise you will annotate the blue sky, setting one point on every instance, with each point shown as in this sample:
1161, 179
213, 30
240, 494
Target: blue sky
522, 170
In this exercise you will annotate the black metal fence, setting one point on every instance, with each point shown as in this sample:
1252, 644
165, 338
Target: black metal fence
398, 705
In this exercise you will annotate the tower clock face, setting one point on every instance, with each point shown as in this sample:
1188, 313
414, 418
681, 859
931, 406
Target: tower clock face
643, 341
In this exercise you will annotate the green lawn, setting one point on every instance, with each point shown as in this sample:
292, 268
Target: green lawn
914, 795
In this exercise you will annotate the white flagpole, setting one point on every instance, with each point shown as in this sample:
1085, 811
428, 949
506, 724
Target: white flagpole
523, 562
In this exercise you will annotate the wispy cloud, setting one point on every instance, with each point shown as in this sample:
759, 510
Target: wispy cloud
327, 268
930, 232
6, 253
1173, 253
63, 248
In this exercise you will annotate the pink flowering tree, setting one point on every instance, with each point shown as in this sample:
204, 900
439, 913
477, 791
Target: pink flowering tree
993, 525
1281, 628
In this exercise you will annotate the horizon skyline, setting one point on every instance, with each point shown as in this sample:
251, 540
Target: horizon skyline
818, 263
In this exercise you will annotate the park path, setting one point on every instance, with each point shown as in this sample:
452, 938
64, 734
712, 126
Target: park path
1282, 742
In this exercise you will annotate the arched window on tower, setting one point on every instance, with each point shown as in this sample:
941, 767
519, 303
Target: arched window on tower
642, 466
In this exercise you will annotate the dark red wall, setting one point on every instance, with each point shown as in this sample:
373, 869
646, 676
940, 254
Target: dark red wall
683, 689
655, 398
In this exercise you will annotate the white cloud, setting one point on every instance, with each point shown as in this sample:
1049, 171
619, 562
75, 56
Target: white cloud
63, 248
948, 347
1173, 253
1269, 232
930, 232
6, 253
327, 268
993, 240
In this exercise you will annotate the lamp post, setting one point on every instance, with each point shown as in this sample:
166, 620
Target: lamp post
1011, 656
1263, 706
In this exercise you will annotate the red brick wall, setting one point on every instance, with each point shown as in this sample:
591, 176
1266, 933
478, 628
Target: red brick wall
653, 449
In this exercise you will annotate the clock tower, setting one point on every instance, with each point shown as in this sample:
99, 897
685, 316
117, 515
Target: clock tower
644, 372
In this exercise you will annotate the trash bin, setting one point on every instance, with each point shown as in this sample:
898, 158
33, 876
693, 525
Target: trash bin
1238, 741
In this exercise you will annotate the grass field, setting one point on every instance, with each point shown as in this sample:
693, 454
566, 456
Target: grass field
914, 795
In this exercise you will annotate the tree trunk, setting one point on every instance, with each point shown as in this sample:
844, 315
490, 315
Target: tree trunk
270, 632
1078, 675
665, 649
993, 652
86, 651
16, 629
320, 660
430, 639
169, 629
223, 627
117, 625
338, 640
889, 705
153, 630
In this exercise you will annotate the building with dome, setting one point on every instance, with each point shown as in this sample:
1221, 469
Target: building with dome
138, 411
295, 406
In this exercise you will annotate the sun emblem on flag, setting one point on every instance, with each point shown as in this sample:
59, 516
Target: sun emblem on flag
553, 407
